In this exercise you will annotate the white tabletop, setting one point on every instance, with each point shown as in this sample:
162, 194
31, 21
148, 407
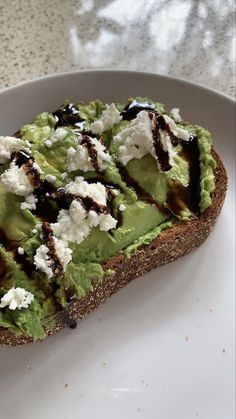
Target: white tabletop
187, 39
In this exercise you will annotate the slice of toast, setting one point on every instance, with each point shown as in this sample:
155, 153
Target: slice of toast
174, 242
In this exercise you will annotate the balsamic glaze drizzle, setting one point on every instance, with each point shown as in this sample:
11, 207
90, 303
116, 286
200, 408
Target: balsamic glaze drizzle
23, 159
157, 123
92, 152
140, 192
133, 108
68, 114
182, 196
55, 263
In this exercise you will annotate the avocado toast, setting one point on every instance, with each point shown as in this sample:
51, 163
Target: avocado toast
92, 196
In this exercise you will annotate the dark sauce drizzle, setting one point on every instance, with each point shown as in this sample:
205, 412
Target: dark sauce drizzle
140, 192
72, 324
110, 188
22, 158
92, 152
64, 200
188, 196
133, 108
191, 153
45, 209
158, 122
68, 115
55, 264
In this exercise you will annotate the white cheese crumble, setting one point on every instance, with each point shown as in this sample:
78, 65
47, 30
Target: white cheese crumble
43, 261
29, 203
136, 140
109, 117
50, 178
17, 298
181, 133
71, 224
74, 225
122, 207
37, 168
20, 251
8, 145
64, 175
58, 135
15, 180
174, 114
80, 187
78, 159
63, 252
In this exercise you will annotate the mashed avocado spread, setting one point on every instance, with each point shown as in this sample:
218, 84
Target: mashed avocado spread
83, 184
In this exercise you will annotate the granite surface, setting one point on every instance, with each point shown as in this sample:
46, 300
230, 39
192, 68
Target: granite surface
191, 39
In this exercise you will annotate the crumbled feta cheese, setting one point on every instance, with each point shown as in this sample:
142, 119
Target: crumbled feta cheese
20, 251
136, 140
48, 143
58, 135
50, 178
37, 168
78, 159
64, 175
74, 225
80, 187
174, 114
122, 207
63, 252
106, 222
167, 146
179, 132
67, 226
77, 212
17, 298
34, 231
43, 261
8, 145
15, 180
30, 202
109, 117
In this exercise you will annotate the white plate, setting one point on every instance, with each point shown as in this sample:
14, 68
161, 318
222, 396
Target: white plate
163, 347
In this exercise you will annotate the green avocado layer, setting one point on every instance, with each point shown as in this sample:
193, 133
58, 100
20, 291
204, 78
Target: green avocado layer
142, 221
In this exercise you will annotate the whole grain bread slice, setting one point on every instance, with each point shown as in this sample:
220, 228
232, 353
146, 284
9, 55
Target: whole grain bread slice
170, 245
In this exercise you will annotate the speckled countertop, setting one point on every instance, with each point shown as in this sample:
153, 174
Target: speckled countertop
191, 39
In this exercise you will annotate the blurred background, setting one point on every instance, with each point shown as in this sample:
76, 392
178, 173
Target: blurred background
191, 39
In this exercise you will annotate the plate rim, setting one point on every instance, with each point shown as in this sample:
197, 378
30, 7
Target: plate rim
184, 81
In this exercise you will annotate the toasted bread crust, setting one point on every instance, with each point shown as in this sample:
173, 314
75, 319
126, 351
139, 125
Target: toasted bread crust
170, 245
